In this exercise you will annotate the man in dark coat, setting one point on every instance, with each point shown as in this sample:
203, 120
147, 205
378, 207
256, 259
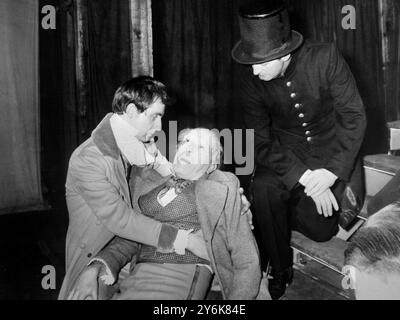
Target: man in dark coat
309, 120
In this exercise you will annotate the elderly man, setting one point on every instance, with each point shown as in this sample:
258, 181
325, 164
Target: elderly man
196, 197
302, 101
374, 256
97, 193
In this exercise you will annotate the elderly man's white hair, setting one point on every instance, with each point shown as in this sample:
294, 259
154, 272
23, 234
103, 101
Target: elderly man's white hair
214, 139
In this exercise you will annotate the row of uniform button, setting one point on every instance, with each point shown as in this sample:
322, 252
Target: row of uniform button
293, 95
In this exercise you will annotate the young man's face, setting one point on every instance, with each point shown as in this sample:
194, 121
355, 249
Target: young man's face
270, 70
193, 158
148, 122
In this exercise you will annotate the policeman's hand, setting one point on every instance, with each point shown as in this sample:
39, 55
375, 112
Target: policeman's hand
318, 181
325, 203
86, 287
197, 245
245, 208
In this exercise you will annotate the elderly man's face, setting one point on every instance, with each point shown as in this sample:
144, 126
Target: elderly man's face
193, 158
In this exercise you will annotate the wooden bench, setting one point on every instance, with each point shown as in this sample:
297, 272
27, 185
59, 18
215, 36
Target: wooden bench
323, 262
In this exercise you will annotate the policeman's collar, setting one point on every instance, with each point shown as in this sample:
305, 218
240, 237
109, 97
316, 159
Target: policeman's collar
292, 65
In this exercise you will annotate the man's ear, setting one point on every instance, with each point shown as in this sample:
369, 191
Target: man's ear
131, 110
183, 133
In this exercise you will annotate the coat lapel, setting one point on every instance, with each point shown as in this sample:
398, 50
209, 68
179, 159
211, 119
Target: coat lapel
210, 200
120, 174
104, 139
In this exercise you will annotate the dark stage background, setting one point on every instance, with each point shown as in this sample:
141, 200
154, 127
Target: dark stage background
192, 41
192, 44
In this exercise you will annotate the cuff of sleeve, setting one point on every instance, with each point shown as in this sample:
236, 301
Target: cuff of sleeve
162, 166
181, 241
343, 173
167, 237
107, 278
291, 178
301, 180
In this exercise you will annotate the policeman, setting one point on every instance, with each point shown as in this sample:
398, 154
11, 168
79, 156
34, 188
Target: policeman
309, 120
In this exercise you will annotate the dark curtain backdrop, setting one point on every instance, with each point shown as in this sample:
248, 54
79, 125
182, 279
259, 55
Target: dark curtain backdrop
193, 40
65, 120
53, 105
362, 48
84, 92
108, 63
192, 46
392, 70
20, 181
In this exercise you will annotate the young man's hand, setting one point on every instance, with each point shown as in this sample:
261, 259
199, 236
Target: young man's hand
86, 287
326, 203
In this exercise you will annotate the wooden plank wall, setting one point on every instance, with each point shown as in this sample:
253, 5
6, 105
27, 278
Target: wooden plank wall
390, 33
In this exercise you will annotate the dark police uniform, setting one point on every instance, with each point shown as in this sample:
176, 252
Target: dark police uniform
311, 118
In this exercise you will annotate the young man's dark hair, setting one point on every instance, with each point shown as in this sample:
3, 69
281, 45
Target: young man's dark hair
141, 91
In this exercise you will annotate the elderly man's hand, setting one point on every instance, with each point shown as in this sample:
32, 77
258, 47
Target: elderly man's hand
197, 245
86, 287
245, 208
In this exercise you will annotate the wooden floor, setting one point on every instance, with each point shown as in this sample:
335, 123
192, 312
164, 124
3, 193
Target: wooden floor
30, 241
307, 288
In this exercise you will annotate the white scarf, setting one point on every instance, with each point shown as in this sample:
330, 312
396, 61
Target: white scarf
134, 150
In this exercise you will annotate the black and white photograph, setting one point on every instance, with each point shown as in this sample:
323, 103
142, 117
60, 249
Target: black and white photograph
207, 151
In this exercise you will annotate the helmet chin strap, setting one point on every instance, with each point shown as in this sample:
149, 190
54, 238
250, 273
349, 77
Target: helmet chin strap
286, 61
